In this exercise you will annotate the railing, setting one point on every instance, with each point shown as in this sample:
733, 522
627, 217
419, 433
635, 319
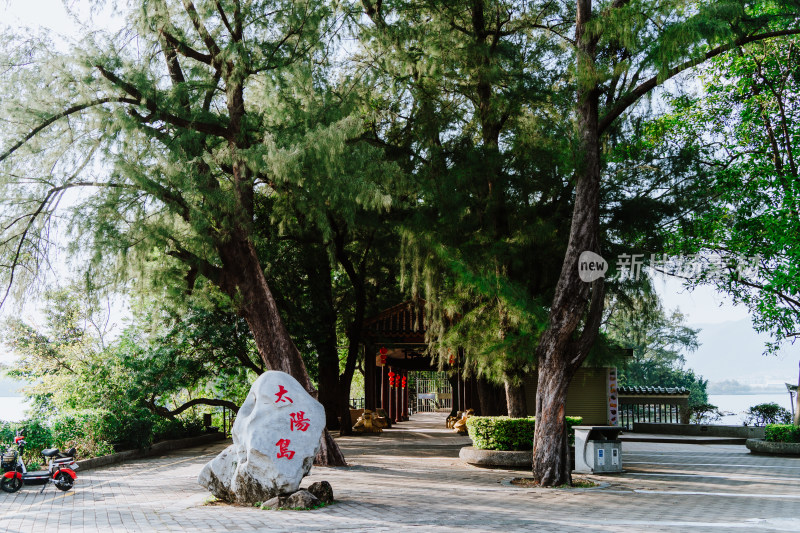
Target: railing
658, 413
430, 392
356, 403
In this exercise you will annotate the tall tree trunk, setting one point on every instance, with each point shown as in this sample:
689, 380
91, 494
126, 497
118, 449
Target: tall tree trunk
560, 352
345, 381
355, 273
454, 379
491, 399
321, 294
243, 279
515, 399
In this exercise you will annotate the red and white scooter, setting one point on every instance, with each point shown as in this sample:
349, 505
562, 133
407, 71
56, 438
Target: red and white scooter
60, 471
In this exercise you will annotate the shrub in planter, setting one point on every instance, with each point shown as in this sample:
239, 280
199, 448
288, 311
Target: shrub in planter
504, 433
782, 433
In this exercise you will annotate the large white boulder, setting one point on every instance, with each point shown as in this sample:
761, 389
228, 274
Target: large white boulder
275, 438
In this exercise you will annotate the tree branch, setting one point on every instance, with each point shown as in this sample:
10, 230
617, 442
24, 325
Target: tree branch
163, 411
67, 112
152, 106
645, 87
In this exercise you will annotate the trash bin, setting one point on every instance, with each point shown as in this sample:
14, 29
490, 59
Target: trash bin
597, 449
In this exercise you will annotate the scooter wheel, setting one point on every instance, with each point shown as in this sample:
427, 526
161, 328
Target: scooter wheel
11, 484
64, 481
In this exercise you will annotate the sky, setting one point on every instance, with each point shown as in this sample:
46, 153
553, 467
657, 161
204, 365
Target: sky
725, 323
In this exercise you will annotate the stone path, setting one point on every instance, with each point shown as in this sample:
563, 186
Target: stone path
410, 479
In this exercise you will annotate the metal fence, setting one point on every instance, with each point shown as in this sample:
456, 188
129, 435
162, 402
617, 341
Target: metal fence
356, 403
430, 392
658, 413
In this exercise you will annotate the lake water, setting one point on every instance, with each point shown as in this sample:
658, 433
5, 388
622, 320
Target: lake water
739, 403
12, 408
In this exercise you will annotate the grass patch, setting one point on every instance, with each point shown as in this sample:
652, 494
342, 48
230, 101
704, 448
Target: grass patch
577, 483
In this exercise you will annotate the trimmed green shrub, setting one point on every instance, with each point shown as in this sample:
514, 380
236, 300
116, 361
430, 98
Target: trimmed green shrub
504, 433
782, 433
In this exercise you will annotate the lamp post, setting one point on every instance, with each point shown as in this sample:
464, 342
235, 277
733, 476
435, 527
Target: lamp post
796, 417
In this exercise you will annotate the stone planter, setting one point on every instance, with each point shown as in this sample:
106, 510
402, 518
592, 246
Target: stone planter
497, 458
773, 448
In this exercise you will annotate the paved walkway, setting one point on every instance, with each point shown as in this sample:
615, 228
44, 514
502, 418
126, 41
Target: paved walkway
410, 479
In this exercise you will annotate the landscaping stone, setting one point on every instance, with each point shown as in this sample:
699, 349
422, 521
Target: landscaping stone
302, 499
275, 438
273, 504
323, 491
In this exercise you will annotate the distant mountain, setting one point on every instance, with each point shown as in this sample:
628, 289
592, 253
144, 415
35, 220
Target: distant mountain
734, 351
732, 386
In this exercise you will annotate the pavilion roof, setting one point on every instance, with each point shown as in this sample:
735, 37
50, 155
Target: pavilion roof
403, 322
661, 391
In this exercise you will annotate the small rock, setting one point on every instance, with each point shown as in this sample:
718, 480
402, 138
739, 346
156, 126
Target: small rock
274, 503
323, 491
302, 499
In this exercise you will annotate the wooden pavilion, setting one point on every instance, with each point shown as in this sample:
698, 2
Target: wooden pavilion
395, 345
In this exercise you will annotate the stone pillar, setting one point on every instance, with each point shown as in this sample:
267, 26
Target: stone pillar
405, 396
370, 381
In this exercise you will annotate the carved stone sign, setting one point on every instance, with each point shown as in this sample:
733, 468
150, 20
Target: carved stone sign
275, 438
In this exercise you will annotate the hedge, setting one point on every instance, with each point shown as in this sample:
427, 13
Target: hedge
92, 432
504, 433
782, 433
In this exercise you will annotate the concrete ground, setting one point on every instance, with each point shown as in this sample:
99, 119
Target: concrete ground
410, 479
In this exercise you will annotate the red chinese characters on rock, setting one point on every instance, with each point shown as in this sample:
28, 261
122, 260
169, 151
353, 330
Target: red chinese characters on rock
283, 448
281, 394
299, 421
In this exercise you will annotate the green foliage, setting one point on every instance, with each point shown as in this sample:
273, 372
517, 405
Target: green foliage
767, 413
782, 433
90, 393
504, 433
704, 413
744, 234
88, 431
658, 340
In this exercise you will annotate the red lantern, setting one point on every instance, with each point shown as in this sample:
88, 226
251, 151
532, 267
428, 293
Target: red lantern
383, 351
404, 382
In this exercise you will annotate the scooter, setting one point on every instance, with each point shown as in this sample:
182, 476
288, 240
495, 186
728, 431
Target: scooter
60, 471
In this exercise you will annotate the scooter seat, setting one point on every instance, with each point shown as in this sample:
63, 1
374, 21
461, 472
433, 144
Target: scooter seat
50, 452
69, 453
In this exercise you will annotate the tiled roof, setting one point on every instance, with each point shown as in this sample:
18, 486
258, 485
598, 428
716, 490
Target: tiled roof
653, 390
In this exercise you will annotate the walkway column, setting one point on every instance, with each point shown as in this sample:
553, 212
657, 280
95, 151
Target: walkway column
370, 384
399, 395
384, 400
405, 395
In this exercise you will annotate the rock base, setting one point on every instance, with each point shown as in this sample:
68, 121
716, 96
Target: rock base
319, 493
773, 448
496, 458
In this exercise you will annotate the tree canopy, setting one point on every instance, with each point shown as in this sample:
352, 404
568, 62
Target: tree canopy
482, 146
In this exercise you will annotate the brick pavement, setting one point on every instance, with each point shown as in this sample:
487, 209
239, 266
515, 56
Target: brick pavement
410, 479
